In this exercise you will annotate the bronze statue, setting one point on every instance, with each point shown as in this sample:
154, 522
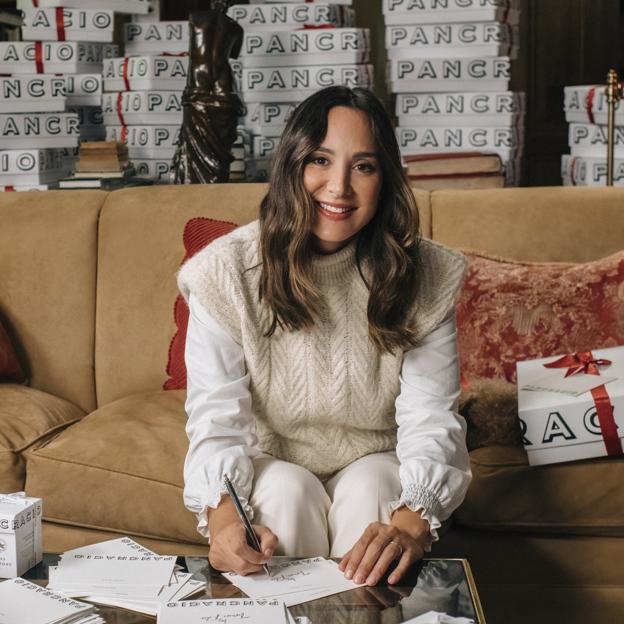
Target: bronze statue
210, 104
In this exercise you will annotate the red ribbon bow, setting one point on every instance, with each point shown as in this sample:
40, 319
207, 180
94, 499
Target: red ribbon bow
580, 361
584, 362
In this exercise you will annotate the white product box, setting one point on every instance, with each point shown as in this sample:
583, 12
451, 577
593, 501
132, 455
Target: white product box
32, 94
450, 40
449, 11
119, 6
267, 119
592, 140
285, 16
153, 169
28, 187
144, 73
346, 2
142, 107
306, 47
91, 122
156, 37
57, 57
588, 104
77, 24
460, 109
39, 130
20, 534
449, 74
27, 167
264, 147
503, 141
293, 84
84, 89
155, 11
504, 120
580, 171
146, 142
558, 415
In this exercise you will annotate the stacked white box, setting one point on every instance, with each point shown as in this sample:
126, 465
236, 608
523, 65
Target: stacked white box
586, 112
290, 50
52, 97
449, 64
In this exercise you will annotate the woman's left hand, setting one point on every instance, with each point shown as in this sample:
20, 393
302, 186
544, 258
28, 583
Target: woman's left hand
381, 544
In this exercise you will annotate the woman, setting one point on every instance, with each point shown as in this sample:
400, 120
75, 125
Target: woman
321, 358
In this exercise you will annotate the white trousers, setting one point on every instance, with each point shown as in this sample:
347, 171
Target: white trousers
315, 519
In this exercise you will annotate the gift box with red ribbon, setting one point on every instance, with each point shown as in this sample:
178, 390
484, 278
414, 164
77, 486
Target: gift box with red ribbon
572, 406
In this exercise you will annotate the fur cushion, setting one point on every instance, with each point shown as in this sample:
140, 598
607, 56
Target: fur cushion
490, 407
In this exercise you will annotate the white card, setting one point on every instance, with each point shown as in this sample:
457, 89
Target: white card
574, 385
295, 582
22, 601
224, 610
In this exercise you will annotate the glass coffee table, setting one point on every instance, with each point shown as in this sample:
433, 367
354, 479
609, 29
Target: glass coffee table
444, 585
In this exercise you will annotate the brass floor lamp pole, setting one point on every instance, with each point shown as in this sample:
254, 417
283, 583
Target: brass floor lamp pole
614, 92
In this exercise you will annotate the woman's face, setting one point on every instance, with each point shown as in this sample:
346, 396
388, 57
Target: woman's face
343, 177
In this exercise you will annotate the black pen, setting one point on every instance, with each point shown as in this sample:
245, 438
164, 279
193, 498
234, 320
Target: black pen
243, 516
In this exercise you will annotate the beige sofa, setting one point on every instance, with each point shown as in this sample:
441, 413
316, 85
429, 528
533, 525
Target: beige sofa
87, 290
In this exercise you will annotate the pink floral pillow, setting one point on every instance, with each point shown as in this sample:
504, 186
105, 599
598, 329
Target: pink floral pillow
510, 311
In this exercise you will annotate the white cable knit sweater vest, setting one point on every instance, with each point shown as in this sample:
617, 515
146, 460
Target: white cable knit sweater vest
322, 397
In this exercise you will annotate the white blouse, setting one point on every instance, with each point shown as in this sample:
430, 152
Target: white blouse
431, 448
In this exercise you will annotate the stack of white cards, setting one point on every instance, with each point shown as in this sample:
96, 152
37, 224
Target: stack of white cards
290, 50
586, 112
121, 573
449, 64
22, 601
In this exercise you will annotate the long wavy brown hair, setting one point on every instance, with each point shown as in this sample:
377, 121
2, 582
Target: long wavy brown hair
386, 248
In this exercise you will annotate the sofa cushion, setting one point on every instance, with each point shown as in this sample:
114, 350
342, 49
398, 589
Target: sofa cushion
10, 368
28, 418
198, 233
48, 251
119, 469
509, 311
584, 497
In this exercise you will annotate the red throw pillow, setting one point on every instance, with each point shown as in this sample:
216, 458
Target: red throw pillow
10, 369
510, 311
198, 232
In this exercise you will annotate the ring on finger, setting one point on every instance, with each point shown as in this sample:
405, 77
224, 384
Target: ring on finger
396, 543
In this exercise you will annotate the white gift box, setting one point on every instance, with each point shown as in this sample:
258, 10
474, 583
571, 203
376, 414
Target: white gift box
156, 37
146, 142
587, 171
142, 107
293, 84
84, 89
558, 413
27, 187
592, 140
289, 17
267, 119
264, 147
450, 40
119, 6
78, 25
153, 169
57, 57
504, 120
435, 12
32, 94
91, 122
144, 73
429, 105
448, 74
27, 167
36, 130
340, 46
588, 104
20, 534
503, 141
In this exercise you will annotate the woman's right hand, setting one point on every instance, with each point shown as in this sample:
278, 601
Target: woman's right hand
229, 550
